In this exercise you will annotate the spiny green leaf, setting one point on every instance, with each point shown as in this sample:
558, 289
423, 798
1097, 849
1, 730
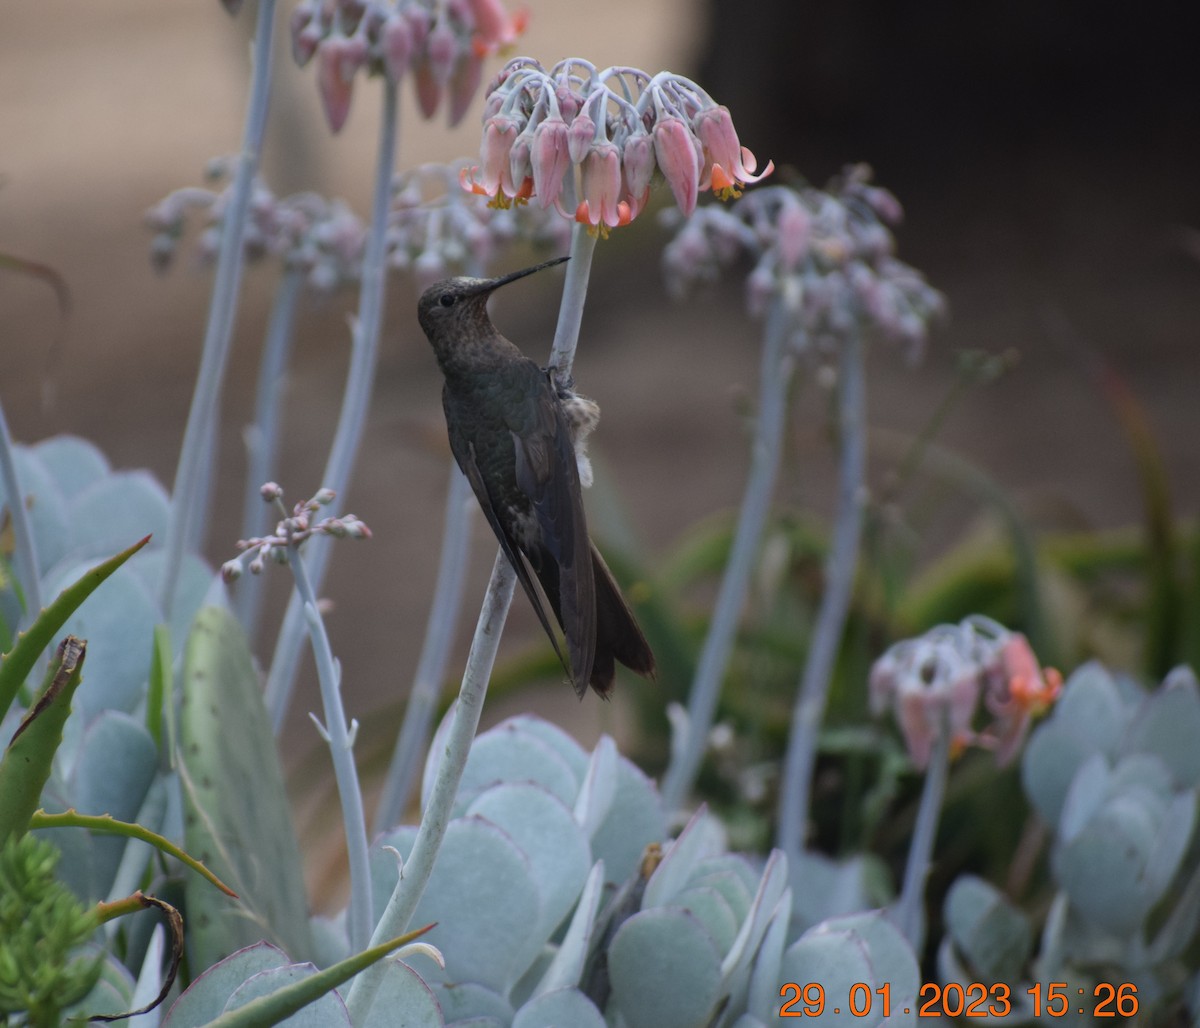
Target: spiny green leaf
16, 664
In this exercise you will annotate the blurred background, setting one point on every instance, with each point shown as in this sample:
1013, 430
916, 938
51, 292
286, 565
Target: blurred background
1047, 156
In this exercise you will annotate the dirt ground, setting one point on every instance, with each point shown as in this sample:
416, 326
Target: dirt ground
104, 108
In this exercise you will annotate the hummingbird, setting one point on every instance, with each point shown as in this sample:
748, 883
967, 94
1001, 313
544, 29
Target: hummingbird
515, 434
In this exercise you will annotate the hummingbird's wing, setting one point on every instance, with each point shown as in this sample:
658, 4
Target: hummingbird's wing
508, 544
559, 551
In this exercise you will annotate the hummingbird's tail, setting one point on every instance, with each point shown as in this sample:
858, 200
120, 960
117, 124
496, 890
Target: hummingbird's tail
618, 637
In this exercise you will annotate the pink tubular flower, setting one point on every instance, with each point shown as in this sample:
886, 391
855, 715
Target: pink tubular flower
499, 134
728, 164
602, 185
551, 159
464, 82
338, 58
638, 165
676, 156
492, 23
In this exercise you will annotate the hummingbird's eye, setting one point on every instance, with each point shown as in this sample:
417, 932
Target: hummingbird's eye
446, 299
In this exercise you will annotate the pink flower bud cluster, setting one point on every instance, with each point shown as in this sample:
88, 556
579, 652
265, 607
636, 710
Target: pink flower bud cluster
443, 42
828, 254
290, 532
941, 676
323, 238
436, 229
590, 144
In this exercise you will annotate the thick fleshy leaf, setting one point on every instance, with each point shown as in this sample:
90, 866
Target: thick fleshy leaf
114, 767
237, 817
72, 462
558, 1009
599, 786
566, 969
762, 998
403, 1000
546, 832
635, 819
327, 1012
113, 509
992, 934
665, 970
469, 1001
1168, 725
823, 888
206, 997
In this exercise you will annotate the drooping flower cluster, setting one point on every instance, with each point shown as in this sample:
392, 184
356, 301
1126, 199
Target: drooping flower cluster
323, 238
443, 42
436, 229
589, 143
939, 677
292, 530
829, 254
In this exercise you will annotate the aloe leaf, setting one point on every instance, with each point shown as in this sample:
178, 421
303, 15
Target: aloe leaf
286, 1001
27, 761
236, 812
16, 664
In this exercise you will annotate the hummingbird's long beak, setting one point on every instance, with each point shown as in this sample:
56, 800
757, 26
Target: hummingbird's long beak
488, 284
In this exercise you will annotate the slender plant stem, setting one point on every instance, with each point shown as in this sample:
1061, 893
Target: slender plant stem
340, 737
262, 437
198, 436
775, 376
419, 866
435, 654
25, 555
356, 401
436, 816
908, 912
840, 566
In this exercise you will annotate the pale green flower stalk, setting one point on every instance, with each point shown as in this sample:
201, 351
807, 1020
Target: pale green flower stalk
194, 456
840, 567
691, 737
356, 399
824, 267
284, 545
25, 555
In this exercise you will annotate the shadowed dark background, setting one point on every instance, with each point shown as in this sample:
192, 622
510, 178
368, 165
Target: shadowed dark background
1046, 157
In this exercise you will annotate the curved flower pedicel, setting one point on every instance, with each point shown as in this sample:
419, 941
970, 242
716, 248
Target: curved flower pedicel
443, 42
589, 142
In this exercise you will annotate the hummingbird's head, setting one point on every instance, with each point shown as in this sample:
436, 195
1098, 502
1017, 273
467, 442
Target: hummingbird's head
453, 305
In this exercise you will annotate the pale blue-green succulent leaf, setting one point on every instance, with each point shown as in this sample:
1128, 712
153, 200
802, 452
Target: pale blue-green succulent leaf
329, 940
599, 787
205, 999
469, 1001
72, 462
994, 936
635, 819
733, 877
762, 998
842, 952
1168, 725
824, 887
327, 1012
695, 843
544, 829
735, 968
1180, 925
748, 1021
237, 817
403, 1000
118, 622
665, 970
193, 584
712, 911
112, 773
1121, 841
149, 982
562, 1008
46, 508
484, 900
112, 993
1089, 718
505, 753
566, 969
554, 737
113, 509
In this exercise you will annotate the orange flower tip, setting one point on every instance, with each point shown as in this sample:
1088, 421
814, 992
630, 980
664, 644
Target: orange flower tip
466, 179
624, 214
958, 745
479, 46
723, 186
520, 20
526, 190
581, 213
